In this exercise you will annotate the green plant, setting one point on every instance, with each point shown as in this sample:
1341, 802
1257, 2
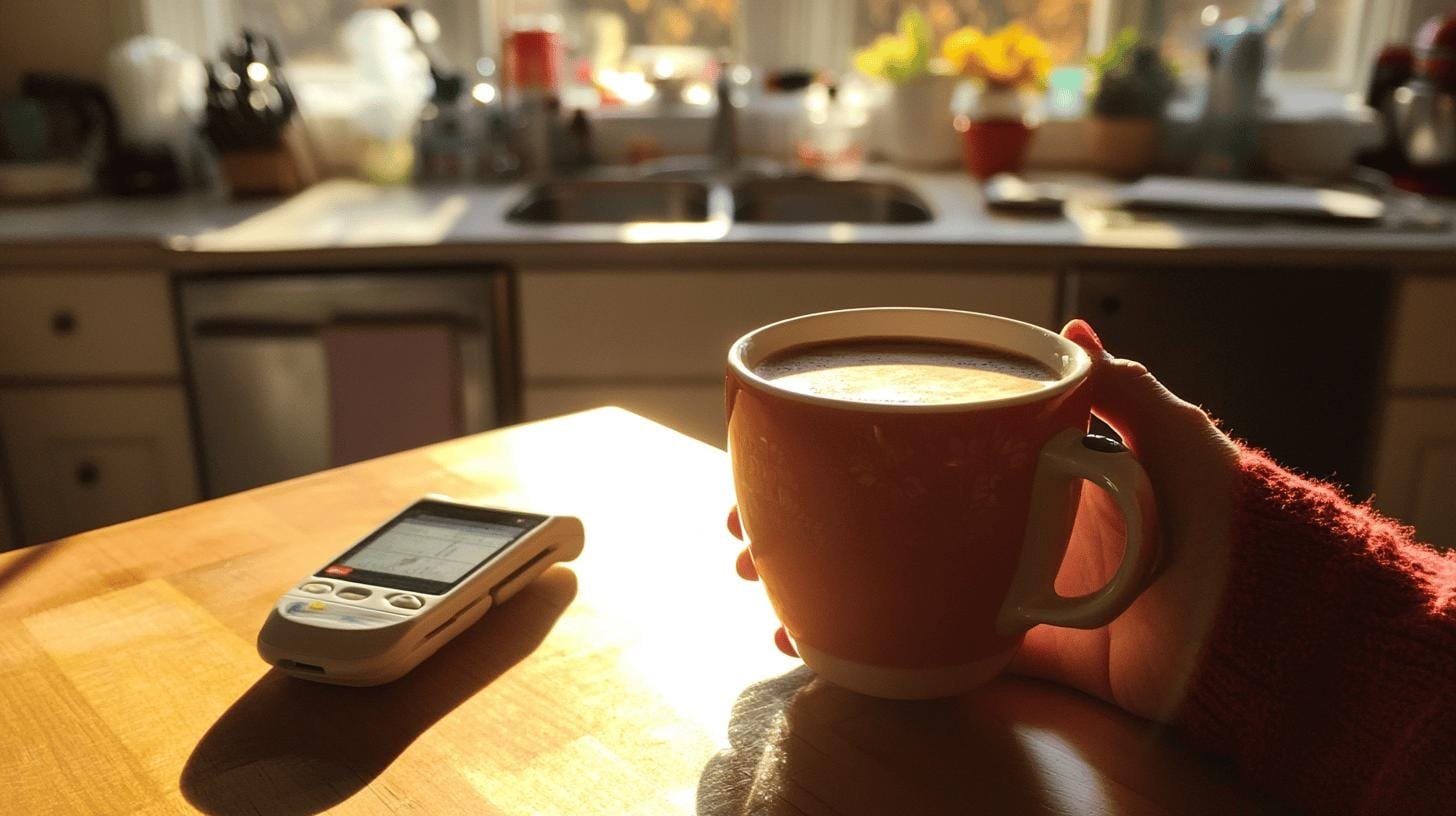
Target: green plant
898, 57
1116, 53
1132, 79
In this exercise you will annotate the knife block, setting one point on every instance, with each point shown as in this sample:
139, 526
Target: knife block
281, 170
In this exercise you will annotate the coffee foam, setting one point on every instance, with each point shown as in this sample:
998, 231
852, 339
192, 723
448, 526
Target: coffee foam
904, 372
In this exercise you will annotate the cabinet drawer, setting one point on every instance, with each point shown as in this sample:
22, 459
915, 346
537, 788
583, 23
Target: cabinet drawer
63, 324
84, 457
694, 408
629, 325
1424, 335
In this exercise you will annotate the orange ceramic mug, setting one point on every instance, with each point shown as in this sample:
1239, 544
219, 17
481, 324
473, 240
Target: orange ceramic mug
908, 548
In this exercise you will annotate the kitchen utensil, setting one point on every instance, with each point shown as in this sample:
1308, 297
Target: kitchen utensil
249, 100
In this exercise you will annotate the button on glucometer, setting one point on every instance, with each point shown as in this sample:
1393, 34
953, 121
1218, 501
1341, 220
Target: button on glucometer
317, 606
316, 587
406, 601
353, 593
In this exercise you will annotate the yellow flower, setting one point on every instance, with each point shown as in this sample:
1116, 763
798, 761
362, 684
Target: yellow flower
1010, 57
959, 45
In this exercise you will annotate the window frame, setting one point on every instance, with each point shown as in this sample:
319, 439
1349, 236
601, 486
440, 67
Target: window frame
1369, 25
1364, 31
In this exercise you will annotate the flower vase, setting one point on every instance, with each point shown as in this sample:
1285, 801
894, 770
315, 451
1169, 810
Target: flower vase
917, 129
996, 131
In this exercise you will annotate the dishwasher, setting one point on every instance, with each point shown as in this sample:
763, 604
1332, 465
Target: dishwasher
1290, 360
281, 366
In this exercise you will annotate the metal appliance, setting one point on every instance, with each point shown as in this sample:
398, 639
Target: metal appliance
1290, 360
257, 364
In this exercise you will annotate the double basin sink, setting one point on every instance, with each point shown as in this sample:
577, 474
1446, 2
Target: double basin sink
760, 200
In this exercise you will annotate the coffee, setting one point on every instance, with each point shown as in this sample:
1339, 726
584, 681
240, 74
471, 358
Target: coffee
904, 372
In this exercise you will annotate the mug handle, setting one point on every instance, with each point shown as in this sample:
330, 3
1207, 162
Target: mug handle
1072, 455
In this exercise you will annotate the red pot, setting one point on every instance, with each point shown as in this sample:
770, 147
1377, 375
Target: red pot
994, 146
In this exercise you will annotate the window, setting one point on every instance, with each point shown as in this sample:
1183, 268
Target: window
308, 31
704, 23
1311, 41
1321, 42
1063, 24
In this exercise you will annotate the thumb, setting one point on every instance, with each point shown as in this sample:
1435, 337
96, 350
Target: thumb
1151, 419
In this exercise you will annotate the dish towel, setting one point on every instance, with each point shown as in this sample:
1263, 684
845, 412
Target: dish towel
392, 386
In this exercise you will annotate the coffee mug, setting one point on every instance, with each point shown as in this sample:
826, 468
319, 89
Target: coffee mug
907, 548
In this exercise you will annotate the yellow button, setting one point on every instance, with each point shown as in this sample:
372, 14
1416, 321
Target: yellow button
317, 606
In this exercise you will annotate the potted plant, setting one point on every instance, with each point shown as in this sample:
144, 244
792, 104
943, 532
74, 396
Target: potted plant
997, 127
916, 127
1133, 86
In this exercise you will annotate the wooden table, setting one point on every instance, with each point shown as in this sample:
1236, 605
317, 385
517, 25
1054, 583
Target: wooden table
639, 680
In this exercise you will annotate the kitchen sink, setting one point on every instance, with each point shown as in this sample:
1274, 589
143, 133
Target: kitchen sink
698, 168
612, 202
817, 201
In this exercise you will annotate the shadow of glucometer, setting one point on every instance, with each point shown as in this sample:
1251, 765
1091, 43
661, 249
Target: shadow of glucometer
288, 746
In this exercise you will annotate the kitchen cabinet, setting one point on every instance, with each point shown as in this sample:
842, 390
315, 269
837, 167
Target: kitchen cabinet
656, 341
7, 528
94, 426
67, 324
1288, 359
1423, 335
694, 408
1415, 474
87, 456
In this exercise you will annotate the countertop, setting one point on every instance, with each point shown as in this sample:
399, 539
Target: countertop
344, 222
640, 678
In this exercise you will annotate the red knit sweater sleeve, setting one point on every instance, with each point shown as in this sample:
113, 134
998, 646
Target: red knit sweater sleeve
1330, 674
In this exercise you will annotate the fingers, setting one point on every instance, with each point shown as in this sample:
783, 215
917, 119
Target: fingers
1080, 332
746, 569
781, 640
1130, 399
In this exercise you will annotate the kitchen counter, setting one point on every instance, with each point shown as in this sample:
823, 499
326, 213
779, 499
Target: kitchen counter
640, 678
344, 222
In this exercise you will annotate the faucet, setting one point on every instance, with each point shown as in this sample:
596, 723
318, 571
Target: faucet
723, 142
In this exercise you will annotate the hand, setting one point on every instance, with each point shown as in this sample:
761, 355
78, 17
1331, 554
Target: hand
1142, 660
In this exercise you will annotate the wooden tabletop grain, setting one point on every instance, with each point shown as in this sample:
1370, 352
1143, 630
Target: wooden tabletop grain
640, 679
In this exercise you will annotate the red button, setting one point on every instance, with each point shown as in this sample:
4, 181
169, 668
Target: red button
337, 569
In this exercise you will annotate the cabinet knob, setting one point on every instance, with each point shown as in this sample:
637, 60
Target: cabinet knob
63, 322
87, 473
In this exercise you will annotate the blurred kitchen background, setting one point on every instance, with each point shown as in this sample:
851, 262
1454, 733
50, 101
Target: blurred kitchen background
245, 240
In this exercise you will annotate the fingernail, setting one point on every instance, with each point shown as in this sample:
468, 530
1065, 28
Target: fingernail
1082, 325
1082, 333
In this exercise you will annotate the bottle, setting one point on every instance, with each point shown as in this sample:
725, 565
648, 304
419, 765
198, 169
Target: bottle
830, 138
533, 73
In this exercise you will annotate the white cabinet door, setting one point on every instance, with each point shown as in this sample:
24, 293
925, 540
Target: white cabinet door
605, 324
81, 457
656, 342
1415, 474
694, 408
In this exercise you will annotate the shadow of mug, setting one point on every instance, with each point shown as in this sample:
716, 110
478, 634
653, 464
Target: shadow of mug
800, 745
290, 746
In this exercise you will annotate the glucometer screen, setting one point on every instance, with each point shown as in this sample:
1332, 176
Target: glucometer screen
431, 547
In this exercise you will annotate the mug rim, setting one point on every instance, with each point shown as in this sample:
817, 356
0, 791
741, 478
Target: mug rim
1077, 363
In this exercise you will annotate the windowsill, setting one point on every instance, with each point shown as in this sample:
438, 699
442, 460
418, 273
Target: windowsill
1296, 121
